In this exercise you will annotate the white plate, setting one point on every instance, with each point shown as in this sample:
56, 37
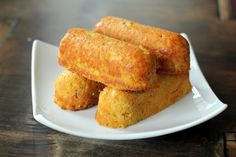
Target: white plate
197, 107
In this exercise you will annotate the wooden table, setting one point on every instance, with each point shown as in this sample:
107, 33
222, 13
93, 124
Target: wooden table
21, 22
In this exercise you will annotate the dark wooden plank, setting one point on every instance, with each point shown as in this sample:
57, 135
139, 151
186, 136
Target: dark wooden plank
53, 143
233, 8
7, 25
230, 143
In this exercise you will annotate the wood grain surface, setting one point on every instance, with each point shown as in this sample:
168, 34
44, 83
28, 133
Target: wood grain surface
21, 22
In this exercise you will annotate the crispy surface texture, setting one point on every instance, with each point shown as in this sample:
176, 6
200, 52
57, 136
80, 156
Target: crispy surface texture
115, 63
171, 48
119, 109
73, 92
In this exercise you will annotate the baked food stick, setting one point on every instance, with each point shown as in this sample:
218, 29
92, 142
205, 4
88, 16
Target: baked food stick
119, 109
115, 63
171, 48
73, 92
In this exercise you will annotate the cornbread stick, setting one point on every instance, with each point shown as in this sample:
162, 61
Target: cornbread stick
73, 92
119, 109
115, 63
171, 48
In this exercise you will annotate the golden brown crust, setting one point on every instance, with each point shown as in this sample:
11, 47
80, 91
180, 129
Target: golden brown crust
171, 48
116, 63
73, 92
119, 109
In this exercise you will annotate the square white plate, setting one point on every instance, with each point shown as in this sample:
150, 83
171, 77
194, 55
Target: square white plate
197, 107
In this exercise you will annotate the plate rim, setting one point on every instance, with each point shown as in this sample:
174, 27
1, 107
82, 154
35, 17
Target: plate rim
128, 136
